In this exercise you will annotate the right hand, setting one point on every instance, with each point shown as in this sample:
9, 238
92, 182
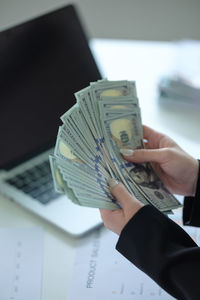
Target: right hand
177, 169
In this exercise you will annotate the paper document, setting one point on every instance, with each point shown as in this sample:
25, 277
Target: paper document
21, 255
100, 272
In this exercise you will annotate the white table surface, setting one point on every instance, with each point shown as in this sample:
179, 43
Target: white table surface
141, 61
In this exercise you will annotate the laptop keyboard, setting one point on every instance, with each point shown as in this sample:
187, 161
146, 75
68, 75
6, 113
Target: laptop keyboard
36, 182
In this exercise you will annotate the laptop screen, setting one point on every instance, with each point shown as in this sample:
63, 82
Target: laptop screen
43, 62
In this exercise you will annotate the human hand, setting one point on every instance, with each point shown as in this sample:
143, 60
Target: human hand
177, 169
115, 220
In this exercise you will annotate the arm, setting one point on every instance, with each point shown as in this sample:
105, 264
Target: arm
164, 251
155, 244
150, 240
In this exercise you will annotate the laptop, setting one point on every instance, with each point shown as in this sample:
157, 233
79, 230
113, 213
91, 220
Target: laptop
43, 62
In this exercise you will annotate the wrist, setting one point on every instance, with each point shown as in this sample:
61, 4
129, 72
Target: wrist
132, 210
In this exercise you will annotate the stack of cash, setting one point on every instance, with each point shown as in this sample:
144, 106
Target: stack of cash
105, 119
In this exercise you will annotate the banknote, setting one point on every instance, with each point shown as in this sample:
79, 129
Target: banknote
105, 118
124, 132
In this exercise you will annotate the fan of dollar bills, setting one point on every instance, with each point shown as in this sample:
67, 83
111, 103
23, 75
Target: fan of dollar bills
105, 119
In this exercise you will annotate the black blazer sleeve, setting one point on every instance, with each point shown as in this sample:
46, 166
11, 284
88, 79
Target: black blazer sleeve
191, 209
163, 250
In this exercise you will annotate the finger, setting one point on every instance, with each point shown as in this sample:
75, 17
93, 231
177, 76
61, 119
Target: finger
120, 193
113, 220
105, 213
144, 155
150, 134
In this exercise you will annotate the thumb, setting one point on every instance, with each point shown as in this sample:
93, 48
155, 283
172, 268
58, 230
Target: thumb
143, 155
119, 191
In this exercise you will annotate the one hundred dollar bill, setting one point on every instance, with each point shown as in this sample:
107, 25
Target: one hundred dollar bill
106, 118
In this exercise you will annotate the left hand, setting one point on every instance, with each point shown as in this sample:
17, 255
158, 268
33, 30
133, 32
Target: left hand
115, 220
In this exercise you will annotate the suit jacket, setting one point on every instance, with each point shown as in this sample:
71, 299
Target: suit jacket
163, 250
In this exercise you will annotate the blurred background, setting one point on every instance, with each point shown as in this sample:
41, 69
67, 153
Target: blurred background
133, 40
128, 19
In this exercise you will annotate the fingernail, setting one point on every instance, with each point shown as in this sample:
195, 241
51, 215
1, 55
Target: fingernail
126, 152
112, 182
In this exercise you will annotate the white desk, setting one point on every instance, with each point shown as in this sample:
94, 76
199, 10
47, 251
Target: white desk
145, 63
